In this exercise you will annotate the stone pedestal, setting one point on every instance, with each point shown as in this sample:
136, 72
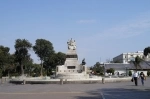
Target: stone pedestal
71, 69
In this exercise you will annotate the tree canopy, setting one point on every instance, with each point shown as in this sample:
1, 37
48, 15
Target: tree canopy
4, 58
4, 52
98, 69
137, 62
146, 51
54, 60
20, 62
111, 70
44, 49
21, 54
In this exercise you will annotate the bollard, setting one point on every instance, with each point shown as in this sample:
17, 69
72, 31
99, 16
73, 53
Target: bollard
103, 80
65, 81
5, 79
24, 82
2, 80
61, 81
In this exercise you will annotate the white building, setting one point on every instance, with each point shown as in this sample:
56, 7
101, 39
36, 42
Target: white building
124, 68
120, 68
127, 57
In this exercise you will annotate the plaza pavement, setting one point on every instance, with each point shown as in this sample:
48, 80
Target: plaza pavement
119, 90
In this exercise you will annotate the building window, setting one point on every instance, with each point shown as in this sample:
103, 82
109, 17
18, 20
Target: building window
132, 59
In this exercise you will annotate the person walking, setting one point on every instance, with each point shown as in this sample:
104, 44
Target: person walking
135, 77
142, 76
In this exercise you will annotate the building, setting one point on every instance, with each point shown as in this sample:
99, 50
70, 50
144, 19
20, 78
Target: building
124, 69
127, 57
120, 68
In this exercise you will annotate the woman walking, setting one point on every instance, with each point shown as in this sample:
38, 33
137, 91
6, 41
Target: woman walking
142, 76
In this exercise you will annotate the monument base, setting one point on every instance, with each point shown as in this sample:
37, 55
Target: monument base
72, 76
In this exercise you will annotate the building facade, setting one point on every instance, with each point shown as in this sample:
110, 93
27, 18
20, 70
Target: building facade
127, 57
124, 68
120, 68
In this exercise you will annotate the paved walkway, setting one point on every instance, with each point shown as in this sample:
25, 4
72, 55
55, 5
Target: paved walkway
122, 90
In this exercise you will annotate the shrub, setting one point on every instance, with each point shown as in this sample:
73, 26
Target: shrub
111, 70
130, 73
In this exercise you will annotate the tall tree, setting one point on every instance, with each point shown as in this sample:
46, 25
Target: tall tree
54, 60
44, 49
98, 69
61, 57
21, 54
146, 51
4, 55
10, 65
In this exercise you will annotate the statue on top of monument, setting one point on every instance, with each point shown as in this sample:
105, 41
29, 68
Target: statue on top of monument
71, 44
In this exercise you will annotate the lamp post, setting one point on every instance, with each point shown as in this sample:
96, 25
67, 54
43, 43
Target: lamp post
104, 70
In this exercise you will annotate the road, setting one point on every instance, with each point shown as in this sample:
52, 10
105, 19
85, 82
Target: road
119, 90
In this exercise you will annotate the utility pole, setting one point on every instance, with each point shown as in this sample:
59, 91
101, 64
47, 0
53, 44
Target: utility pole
100, 59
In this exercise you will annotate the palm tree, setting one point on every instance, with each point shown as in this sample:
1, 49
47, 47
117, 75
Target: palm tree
137, 62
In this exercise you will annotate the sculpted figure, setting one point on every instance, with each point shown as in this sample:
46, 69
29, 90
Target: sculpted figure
83, 62
71, 44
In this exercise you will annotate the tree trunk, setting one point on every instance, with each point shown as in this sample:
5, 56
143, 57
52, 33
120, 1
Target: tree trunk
8, 73
30, 71
41, 68
22, 70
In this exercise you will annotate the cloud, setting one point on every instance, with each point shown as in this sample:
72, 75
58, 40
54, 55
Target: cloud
86, 21
127, 29
93, 46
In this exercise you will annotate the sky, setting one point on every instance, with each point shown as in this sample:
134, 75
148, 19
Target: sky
102, 29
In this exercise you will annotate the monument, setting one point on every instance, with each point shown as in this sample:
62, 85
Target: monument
72, 69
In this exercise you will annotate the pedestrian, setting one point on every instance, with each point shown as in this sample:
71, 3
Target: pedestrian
135, 77
142, 76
